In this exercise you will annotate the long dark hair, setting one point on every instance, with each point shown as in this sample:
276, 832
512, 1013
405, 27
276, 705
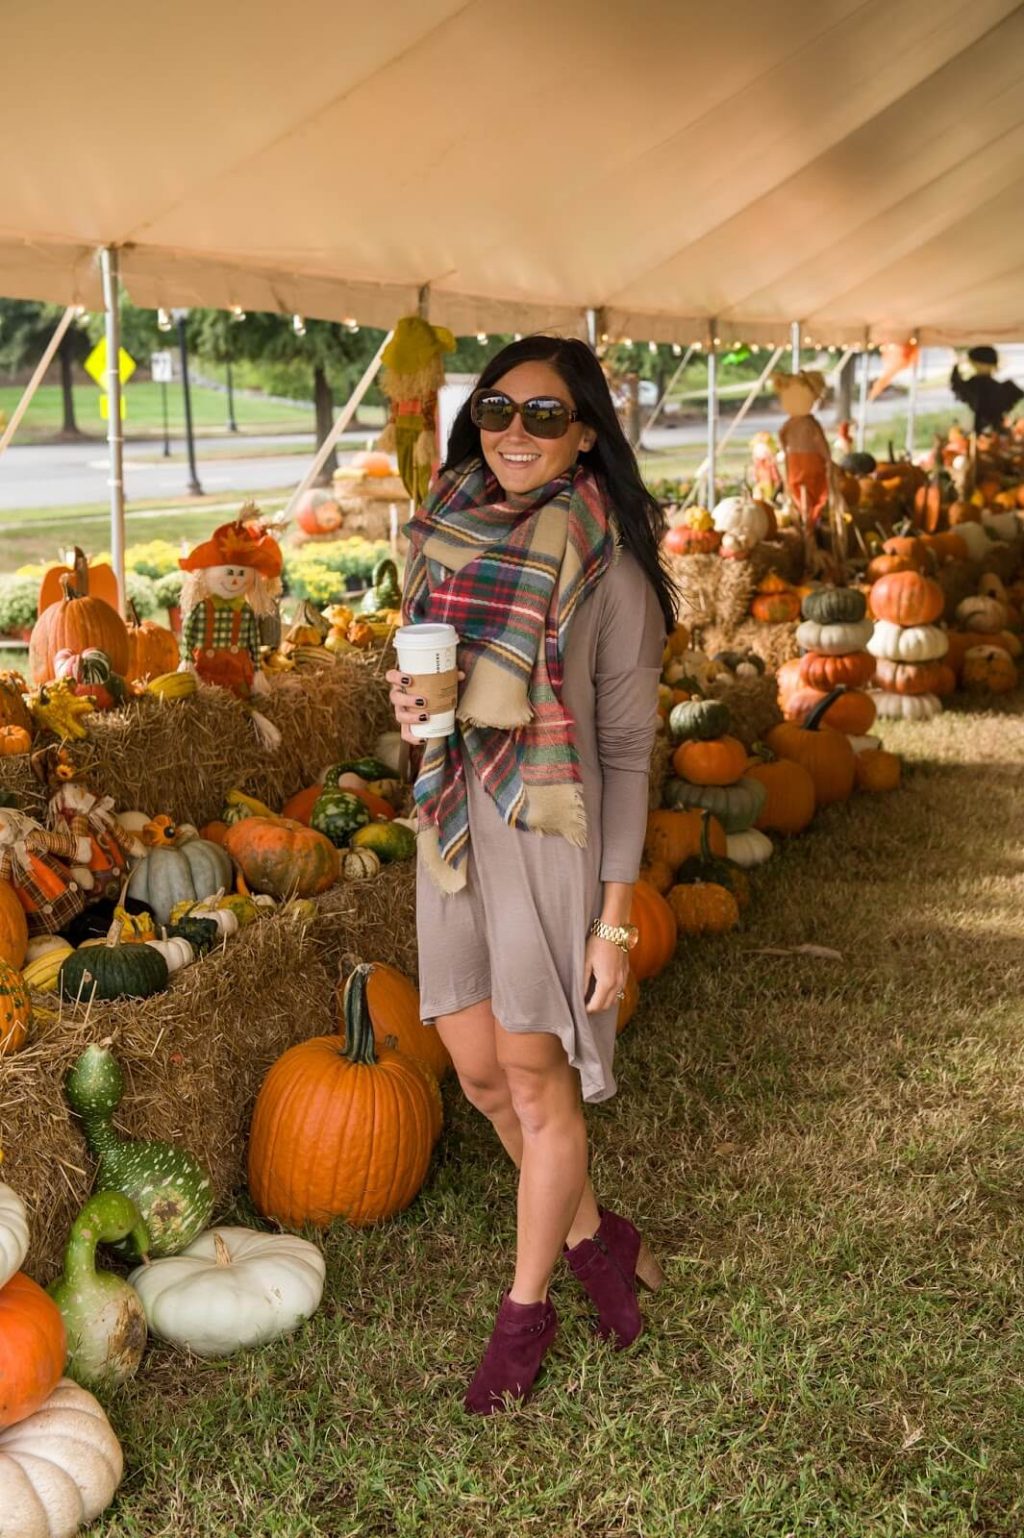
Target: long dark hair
640, 519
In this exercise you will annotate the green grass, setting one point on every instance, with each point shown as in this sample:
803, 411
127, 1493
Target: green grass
45, 417
826, 1155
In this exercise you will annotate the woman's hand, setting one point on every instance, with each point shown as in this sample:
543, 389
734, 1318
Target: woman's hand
607, 965
408, 707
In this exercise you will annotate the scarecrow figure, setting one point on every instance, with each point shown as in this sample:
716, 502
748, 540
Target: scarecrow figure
989, 398
76, 808
412, 372
811, 483
234, 579
764, 476
48, 869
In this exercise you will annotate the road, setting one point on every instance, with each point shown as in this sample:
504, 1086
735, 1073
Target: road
61, 475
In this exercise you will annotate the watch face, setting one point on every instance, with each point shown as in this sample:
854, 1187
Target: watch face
632, 935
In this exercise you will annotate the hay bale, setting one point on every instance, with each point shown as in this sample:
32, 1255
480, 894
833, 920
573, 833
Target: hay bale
195, 1056
753, 705
696, 579
775, 643
661, 762
183, 756
785, 554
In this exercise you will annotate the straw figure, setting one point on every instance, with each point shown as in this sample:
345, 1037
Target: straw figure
233, 579
764, 476
76, 808
811, 481
412, 372
48, 869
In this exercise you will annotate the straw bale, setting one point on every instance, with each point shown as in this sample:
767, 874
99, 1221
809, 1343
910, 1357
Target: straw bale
696, 578
775, 643
784, 554
753, 705
182, 756
661, 758
195, 1056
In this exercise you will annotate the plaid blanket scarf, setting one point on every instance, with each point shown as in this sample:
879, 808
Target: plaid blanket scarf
509, 577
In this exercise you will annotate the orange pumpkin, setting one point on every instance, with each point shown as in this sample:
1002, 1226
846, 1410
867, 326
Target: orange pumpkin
788, 678
716, 761
908, 549
962, 512
885, 565
394, 1005
673, 837
659, 875
215, 832
86, 577
703, 908
852, 670
878, 770
657, 932
627, 1006
15, 1009
152, 649
913, 677
299, 808
988, 670
907, 598
14, 740
13, 927
342, 1128
825, 753
13, 710
281, 857
853, 712
33, 1348
76, 624
790, 803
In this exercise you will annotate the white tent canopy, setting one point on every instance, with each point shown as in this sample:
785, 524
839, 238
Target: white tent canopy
689, 171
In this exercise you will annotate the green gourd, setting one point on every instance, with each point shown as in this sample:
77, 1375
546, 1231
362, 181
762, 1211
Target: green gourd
736, 806
385, 592
367, 769
337, 814
698, 720
103, 1316
202, 934
168, 1185
112, 971
388, 840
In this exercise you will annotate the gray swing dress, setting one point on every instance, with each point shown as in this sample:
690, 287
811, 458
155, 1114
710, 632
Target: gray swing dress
516, 932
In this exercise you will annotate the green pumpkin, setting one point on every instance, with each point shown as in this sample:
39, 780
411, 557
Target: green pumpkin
388, 840
112, 971
367, 769
736, 806
170, 1188
834, 605
103, 1315
202, 934
708, 866
166, 877
698, 720
337, 814
385, 592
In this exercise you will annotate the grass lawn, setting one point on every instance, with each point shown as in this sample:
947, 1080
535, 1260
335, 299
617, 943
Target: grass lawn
827, 1156
45, 415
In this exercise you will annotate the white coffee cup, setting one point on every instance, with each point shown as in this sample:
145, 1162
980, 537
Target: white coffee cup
427, 654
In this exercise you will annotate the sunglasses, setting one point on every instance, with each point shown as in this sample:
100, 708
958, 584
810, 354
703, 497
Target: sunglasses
544, 416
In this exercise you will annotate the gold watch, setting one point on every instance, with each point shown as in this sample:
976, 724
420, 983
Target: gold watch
624, 936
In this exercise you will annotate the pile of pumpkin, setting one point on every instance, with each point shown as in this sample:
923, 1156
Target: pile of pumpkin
731, 530
315, 638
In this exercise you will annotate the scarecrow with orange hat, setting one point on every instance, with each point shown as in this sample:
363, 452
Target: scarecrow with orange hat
234, 578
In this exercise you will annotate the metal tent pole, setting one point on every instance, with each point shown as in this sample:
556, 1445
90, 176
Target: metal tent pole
755, 391
862, 404
110, 267
33, 384
912, 404
794, 342
712, 458
684, 360
344, 417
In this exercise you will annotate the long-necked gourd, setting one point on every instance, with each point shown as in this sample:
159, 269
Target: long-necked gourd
103, 1315
168, 1185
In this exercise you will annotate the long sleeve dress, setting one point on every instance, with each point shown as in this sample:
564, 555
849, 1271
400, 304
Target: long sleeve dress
516, 932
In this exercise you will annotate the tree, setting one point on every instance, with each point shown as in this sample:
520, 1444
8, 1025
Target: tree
26, 326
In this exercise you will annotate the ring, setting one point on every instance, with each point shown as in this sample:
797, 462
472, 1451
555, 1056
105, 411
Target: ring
621, 996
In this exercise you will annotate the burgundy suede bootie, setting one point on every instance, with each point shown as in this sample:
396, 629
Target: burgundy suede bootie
521, 1336
609, 1266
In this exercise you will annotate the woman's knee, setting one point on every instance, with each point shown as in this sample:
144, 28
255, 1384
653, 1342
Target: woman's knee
489, 1094
543, 1098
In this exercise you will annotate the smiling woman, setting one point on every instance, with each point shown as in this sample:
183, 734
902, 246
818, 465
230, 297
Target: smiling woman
539, 543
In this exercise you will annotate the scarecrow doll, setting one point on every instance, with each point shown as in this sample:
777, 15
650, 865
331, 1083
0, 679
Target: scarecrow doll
811, 482
412, 372
988, 397
78, 810
48, 869
233, 580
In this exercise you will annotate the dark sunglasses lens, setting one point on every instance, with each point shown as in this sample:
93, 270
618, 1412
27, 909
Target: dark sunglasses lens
492, 412
544, 418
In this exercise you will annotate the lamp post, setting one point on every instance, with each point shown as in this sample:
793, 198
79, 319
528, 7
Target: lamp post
180, 317
232, 424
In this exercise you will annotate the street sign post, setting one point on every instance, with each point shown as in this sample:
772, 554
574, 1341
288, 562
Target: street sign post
161, 369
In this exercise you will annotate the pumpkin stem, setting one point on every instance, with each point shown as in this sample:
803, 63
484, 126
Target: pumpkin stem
81, 567
821, 709
132, 613
68, 588
705, 830
359, 1046
222, 1251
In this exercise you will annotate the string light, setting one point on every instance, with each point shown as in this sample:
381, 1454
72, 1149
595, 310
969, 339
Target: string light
677, 351
755, 347
298, 325
604, 336
627, 341
517, 336
717, 341
351, 324
163, 320
698, 346
482, 338
652, 347
237, 313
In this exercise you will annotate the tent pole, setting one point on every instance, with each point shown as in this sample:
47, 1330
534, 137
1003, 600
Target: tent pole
712, 459
33, 384
110, 266
794, 342
738, 418
684, 360
862, 404
344, 417
912, 404
844, 359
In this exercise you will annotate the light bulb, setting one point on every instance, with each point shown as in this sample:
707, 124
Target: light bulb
298, 325
237, 313
627, 341
163, 320
677, 351
652, 347
482, 338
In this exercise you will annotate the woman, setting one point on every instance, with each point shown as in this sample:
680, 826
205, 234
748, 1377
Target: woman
539, 543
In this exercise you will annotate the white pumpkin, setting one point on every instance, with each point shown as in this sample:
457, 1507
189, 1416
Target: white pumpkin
13, 1233
133, 821
59, 1468
905, 707
176, 951
864, 744
976, 538
837, 640
226, 921
742, 521
231, 1288
986, 615
749, 848
1000, 522
166, 877
908, 643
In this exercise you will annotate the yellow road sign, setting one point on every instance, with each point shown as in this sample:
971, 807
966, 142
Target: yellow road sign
95, 364
105, 407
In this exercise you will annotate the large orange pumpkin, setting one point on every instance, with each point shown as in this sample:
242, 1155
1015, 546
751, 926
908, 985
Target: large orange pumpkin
13, 710
342, 1128
852, 670
77, 623
853, 712
394, 1005
717, 761
98, 580
914, 677
673, 837
627, 1006
15, 1009
281, 857
907, 598
152, 649
790, 803
878, 770
657, 926
299, 808
825, 753
13, 927
910, 549
885, 565
33, 1348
